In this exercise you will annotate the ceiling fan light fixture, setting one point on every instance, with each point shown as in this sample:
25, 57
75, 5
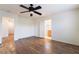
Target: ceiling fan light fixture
31, 14
31, 4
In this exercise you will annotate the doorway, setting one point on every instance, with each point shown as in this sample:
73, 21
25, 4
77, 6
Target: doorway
48, 29
7, 35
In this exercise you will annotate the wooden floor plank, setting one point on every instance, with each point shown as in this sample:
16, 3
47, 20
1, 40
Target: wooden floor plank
36, 45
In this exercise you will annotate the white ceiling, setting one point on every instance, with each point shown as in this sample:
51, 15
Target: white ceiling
47, 9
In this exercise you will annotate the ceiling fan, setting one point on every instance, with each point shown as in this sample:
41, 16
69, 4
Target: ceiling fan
31, 9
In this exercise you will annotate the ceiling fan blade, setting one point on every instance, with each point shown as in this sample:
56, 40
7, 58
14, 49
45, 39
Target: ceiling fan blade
37, 12
38, 7
24, 6
24, 11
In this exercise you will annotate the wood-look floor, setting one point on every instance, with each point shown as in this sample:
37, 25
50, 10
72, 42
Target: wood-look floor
36, 45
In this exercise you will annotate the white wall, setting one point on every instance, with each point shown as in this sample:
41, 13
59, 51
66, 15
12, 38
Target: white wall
23, 27
65, 26
0, 29
40, 27
37, 28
